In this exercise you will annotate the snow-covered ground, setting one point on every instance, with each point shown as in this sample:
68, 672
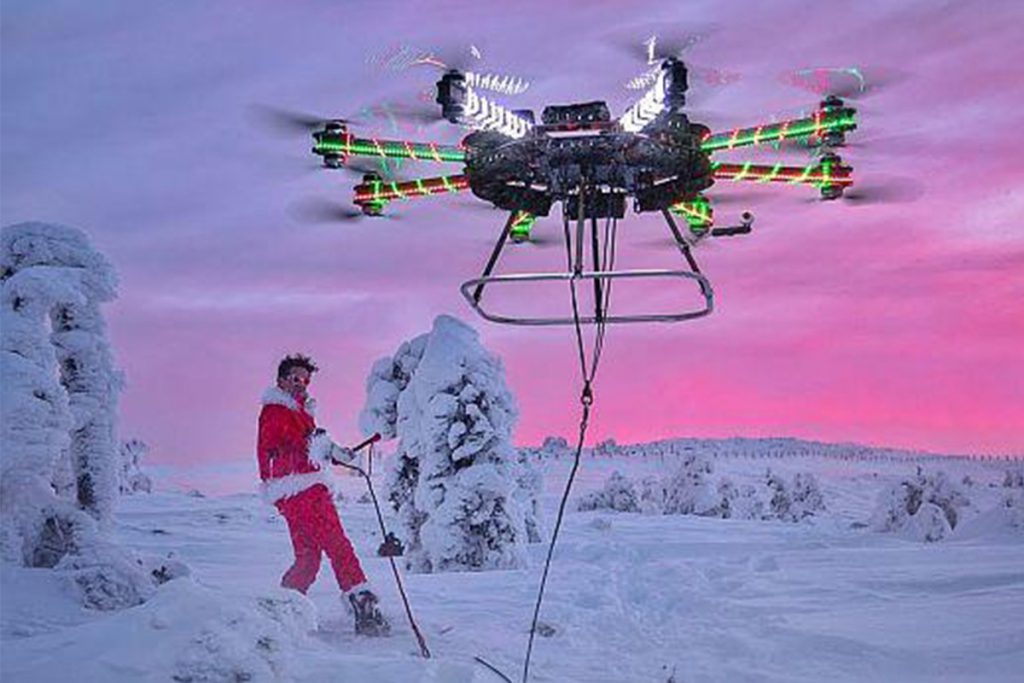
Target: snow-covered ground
631, 597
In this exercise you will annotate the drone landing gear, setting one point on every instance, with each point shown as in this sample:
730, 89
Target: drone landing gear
600, 243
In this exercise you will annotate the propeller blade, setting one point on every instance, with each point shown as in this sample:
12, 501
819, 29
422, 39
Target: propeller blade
361, 167
894, 191
468, 202
450, 56
881, 190
387, 169
319, 211
848, 83
724, 195
291, 121
655, 43
419, 112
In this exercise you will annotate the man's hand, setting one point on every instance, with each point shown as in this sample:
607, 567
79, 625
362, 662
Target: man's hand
341, 455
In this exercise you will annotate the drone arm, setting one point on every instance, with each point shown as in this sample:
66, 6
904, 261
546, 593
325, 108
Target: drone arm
380, 192
343, 145
829, 120
830, 173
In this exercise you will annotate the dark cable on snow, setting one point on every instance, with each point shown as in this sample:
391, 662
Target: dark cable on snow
493, 668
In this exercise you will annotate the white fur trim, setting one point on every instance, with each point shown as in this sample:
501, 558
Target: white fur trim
275, 489
277, 397
323, 450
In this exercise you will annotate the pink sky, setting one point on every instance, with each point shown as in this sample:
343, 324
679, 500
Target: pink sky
888, 324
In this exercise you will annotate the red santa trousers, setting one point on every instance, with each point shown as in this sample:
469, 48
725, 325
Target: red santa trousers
315, 528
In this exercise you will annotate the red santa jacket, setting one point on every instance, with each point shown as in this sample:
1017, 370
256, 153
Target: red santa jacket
291, 457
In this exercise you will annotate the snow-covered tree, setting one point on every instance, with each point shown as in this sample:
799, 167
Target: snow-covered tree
1012, 503
689, 490
1014, 478
455, 482
58, 474
555, 447
652, 496
794, 500
529, 485
910, 506
779, 501
130, 477
740, 503
805, 497
618, 494
929, 523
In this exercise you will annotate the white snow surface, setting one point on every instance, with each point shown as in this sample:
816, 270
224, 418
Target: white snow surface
631, 597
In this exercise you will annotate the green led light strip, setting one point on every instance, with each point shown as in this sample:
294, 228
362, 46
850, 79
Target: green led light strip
377, 190
348, 145
523, 221
521, 224
697, 212
817, 174
840, 119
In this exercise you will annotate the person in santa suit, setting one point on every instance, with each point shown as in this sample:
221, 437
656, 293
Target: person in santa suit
293, 457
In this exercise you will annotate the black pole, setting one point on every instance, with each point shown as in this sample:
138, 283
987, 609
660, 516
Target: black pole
478, 292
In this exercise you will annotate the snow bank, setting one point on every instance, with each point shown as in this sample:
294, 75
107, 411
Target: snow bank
185, 632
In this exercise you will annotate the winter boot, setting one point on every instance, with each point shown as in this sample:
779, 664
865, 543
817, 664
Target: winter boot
369, 619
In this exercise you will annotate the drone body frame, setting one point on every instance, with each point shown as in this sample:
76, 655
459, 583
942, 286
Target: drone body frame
578, 156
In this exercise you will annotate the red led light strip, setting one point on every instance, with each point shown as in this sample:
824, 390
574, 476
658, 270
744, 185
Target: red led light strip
823, 174
384, 191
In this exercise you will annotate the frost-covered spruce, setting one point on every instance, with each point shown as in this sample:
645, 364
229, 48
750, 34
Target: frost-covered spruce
652, 496
618, 494
740, 503
795, 500
59, 409
926, 506
606, 449
34, 416
130, 477
689, 490
779, 502
553, 448
72, 280
454, 483
1014, 478
806, 499
529, 485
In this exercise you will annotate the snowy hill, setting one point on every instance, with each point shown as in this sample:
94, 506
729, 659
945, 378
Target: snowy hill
631, 597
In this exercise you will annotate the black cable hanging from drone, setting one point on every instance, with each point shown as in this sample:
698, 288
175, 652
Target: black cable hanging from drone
602, 247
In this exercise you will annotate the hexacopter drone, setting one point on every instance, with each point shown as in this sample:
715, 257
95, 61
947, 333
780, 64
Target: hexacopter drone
579, 156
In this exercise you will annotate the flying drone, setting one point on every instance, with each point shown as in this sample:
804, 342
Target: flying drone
652, 158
